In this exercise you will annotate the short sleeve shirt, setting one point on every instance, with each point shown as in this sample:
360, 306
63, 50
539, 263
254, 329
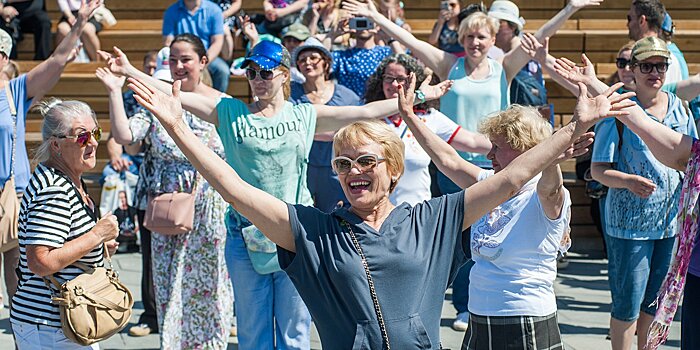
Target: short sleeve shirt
412, 259
627, 215
206, 21
414, 185
354, 66
269, 153
18, 88
51, 214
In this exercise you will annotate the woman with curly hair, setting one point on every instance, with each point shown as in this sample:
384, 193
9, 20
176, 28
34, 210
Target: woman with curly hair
414, 185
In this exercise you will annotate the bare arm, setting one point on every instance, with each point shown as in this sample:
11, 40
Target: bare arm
439, 61
217, 42
292, 8
606, 175
45, 261
516, 59
550, 190
117, 115
671, 148
265, 211
201, 105
688, 89
467, 141
332, 118
44, 76
233, 9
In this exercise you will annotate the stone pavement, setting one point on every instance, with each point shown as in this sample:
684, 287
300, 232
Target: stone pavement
582, 296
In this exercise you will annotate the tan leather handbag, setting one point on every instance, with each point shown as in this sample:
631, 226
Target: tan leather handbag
93, 306
9, 204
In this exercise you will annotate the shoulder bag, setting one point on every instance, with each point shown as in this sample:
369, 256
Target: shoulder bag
9, 203
171, 213
93, 306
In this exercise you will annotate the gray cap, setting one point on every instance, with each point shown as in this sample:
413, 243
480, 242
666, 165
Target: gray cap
5, 43
312, 43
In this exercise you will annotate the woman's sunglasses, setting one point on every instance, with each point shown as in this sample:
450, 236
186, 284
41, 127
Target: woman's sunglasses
646, 68
622, 63
84, 137
265, 74
366, 162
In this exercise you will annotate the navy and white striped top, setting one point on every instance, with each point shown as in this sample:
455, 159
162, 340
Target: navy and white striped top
51, 214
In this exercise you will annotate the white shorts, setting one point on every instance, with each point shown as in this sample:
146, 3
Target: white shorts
31, 336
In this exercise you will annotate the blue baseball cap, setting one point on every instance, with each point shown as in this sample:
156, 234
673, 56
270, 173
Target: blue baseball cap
667, 26
268, 55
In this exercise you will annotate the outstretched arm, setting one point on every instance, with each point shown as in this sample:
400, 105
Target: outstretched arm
688, 89
516, 59
669, 147
486, 195
332, 118
44, 76
202, 106
117, 115
265, 211
439, 61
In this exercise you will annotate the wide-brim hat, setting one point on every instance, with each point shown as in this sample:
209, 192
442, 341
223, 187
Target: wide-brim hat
649, 47
507, 11
5, 43
312, 44
268, 55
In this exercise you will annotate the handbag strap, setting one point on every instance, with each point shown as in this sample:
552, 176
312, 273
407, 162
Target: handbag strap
370, 282
13, 112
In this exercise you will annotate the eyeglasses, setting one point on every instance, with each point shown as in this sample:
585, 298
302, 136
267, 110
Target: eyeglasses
84, 137
366, 162
388, 79
310, 59
622, 63
646, 68
265, 74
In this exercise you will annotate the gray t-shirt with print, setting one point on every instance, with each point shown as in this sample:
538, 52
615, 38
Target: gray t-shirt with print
412, 259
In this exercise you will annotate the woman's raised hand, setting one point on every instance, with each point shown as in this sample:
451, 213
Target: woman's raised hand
111, 81
579, 148
590, 110
118, 63
534, 48
360, 9
407, 97
433, 92
168, 109
578, 4
573, 73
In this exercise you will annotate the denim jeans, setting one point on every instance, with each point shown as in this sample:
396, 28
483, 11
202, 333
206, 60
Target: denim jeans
636, 269
268, 307
31, 336
219, 70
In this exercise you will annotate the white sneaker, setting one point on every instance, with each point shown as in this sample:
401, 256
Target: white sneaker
461, 323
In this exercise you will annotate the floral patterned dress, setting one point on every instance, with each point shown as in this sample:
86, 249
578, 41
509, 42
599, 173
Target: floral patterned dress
194, 298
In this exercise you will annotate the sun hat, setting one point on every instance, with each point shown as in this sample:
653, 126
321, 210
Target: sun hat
163, 65
649, 47
507, 11
312, 44
268, 55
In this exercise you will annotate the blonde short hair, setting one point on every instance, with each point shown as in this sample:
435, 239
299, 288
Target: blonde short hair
476, 21
370, 131
522, 127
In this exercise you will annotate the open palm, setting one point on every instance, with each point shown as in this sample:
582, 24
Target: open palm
590, 110
167, 108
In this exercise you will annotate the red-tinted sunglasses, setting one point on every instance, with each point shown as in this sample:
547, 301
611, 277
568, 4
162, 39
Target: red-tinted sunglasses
84, 137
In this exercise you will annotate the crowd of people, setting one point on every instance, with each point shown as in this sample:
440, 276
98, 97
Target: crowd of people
369, 172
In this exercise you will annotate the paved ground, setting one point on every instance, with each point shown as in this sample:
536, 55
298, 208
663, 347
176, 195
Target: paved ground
582, 295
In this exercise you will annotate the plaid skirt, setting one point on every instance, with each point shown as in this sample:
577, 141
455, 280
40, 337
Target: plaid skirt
512, 333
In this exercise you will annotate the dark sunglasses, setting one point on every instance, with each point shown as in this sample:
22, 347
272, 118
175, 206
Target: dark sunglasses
265, 74
84, 137
366, 162
622, 63
646, 68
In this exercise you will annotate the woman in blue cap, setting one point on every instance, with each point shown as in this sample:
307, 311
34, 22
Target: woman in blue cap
267, 142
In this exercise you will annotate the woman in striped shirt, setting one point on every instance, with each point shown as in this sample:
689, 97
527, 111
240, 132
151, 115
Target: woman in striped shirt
58, 223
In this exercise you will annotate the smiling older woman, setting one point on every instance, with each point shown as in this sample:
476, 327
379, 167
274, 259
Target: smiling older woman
374, 274
58, 223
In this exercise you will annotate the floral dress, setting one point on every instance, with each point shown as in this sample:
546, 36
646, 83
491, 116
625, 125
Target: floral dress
194, 298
